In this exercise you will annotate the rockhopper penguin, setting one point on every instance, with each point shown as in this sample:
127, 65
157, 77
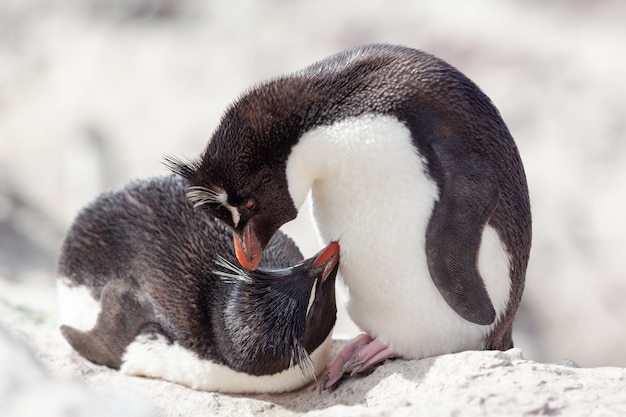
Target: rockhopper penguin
147, 284
411, 169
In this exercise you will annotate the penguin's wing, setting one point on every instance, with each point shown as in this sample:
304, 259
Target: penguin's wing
453, 238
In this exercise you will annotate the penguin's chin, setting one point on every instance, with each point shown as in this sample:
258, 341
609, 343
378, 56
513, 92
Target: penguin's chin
248, 248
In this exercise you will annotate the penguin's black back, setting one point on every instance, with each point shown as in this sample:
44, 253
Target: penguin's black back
149, 236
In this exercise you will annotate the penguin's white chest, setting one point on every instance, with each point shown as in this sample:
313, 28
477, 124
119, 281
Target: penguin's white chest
370, 192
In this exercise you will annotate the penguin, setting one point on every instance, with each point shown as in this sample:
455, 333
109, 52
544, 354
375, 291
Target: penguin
411, 168
149, 285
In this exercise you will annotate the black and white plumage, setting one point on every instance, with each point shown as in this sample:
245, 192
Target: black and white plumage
148, 284
411, 169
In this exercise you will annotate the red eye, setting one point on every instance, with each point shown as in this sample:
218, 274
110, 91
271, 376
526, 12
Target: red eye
250, 204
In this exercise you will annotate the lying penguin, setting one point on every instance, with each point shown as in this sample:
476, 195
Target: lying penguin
147, 284
411, 169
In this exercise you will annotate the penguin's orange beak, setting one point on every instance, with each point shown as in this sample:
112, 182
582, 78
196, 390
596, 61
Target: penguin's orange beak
328, 256
248, 248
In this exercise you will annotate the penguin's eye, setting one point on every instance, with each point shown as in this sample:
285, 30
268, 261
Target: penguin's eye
250, 204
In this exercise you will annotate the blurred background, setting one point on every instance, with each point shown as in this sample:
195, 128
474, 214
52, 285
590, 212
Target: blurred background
94, 93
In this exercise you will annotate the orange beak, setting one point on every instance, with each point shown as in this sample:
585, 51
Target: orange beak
248, 248
329, 256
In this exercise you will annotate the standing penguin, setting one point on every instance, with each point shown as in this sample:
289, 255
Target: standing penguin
140, 290
411, 169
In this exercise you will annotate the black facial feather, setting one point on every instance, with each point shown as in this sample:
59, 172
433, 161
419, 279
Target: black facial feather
183, 167
278, 302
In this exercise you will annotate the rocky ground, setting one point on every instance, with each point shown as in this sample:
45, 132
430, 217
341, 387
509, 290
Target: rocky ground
93, 93
468, 383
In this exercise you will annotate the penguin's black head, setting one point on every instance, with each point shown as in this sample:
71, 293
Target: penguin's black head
240, 178
273, 320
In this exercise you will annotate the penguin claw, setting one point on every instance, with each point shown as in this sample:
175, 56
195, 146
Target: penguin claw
355, 365
368, 356
351, 363
329, 383
357, 369
358, 356
324, 385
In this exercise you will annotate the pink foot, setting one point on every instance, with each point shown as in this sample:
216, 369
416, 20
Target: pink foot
358, 355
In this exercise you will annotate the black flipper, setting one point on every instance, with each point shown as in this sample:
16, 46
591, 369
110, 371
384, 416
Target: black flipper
453, 239
121, 319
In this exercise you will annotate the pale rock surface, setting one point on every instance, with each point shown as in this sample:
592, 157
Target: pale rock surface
27, 390
468, 383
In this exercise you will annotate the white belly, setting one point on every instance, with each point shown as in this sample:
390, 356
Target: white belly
156, 358
77, 307
370, 192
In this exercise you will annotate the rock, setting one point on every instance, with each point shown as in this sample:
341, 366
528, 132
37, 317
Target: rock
468, 383
487, 383
27, 390
481, 384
